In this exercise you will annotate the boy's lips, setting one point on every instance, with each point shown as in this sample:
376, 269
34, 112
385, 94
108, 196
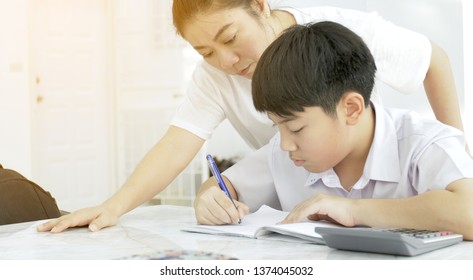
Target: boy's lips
298, 162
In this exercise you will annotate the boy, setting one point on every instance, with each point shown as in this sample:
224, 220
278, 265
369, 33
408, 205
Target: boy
337, 156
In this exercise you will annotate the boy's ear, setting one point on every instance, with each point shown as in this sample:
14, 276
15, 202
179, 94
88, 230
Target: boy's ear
353, 105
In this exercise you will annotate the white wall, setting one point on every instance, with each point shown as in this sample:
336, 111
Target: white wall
15, 117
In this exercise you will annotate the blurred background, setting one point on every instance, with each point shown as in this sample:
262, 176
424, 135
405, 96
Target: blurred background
88, 86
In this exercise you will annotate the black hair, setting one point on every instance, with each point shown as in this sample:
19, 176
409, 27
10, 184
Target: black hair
312, 65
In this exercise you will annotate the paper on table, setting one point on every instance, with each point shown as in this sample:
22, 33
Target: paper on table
263, 224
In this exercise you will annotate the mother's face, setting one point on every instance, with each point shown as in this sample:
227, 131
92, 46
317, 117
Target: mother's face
230, 40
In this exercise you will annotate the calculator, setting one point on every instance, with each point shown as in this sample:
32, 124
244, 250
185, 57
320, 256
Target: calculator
406, 242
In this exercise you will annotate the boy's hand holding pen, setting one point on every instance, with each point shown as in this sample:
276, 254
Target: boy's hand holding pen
216, 173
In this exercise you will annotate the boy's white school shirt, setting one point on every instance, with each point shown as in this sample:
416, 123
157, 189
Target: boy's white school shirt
409, 155
402, 59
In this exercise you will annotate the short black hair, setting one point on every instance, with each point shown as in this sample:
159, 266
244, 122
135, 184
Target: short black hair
312, 65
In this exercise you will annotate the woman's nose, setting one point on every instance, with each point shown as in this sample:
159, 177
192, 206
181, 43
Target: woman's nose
227, 59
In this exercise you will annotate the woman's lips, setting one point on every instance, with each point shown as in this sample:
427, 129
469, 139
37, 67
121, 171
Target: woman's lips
245, 71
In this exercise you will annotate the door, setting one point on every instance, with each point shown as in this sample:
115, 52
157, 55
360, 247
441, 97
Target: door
72, 127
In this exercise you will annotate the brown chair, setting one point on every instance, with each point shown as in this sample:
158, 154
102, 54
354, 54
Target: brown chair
22, 200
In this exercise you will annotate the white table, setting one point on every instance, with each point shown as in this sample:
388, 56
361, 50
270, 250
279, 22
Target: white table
148, 229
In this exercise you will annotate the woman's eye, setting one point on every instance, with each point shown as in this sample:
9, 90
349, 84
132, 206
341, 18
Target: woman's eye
206, 55
231, 40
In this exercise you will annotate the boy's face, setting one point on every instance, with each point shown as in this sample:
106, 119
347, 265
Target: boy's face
314, 140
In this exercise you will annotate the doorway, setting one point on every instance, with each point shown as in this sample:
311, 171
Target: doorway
72, 101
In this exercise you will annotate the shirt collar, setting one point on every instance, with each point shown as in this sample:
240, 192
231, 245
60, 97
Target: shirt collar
382, 163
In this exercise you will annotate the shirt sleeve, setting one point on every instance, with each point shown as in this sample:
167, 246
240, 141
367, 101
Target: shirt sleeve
253, 181
441, 163
200, 112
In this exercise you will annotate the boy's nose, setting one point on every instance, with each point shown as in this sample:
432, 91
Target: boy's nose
287, 145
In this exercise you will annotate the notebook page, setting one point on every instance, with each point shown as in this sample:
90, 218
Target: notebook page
249, 224
304, 230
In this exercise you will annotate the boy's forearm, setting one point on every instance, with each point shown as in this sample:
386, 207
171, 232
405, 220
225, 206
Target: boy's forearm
437, 210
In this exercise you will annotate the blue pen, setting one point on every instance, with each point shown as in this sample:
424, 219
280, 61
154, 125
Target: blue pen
216, 173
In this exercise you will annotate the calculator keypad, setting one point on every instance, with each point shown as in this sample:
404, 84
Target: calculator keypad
422, 234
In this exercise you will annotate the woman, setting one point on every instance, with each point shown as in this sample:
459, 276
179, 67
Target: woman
231, 36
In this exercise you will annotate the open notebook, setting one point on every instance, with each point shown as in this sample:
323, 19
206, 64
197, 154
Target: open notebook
262, 224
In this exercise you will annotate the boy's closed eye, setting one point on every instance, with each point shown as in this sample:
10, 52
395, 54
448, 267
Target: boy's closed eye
293, 130
296, 131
